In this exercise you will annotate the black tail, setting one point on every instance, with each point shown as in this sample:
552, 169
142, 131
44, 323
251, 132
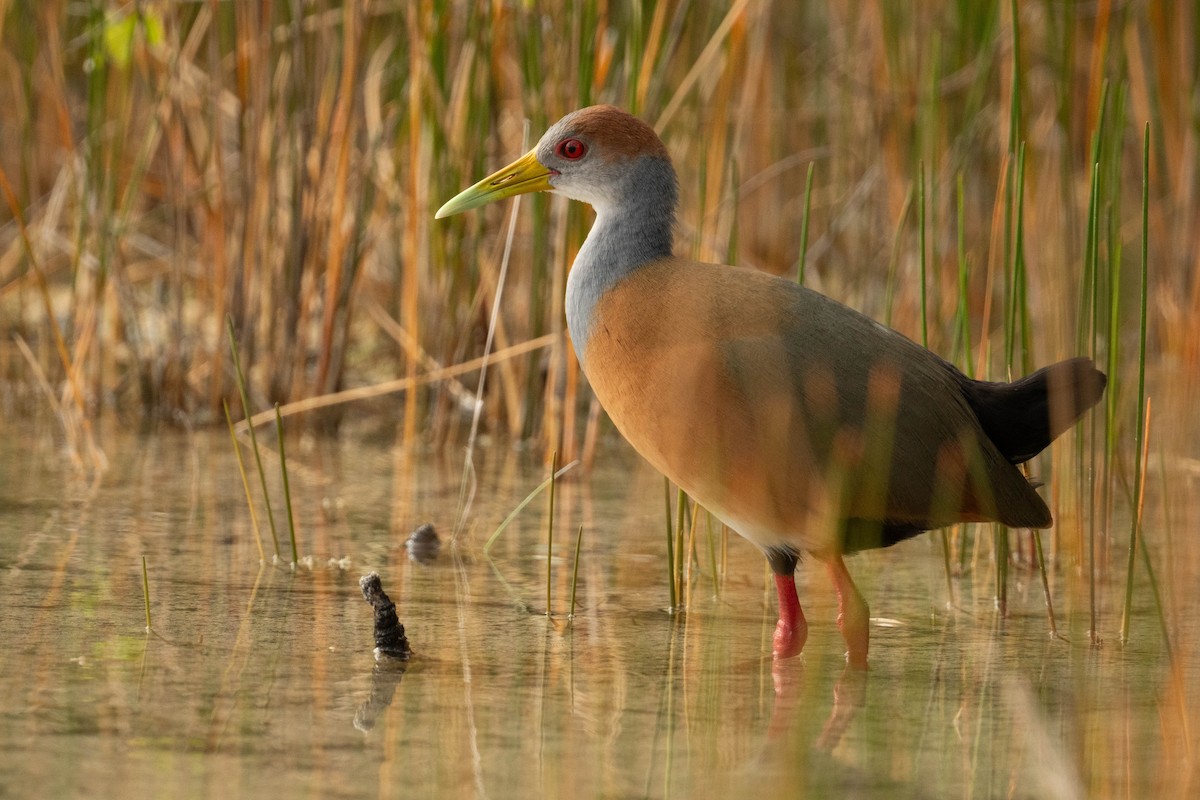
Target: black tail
1023, 417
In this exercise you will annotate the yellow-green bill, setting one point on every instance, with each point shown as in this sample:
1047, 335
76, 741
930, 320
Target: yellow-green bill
524, 175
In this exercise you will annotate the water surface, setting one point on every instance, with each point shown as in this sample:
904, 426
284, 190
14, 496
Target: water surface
259, 679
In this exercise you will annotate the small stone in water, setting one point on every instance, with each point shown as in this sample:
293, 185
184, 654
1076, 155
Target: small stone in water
423, 544
390, 641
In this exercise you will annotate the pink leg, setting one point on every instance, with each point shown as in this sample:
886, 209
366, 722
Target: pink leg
792, 629
854, 618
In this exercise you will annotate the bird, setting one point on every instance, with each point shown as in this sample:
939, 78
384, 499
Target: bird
807, 427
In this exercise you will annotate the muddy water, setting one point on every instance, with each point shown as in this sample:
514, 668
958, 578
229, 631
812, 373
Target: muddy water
259, 680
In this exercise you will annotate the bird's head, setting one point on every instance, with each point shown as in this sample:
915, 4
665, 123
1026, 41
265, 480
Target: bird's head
589, 155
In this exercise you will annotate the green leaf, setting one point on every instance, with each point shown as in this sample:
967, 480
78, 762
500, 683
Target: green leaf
121, 30
118, 37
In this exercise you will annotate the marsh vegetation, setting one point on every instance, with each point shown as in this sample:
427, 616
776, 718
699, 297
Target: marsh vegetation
1012, 183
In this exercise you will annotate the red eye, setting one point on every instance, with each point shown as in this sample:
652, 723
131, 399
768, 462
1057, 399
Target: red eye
571, 149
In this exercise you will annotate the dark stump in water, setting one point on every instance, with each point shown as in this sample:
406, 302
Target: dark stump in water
390, 641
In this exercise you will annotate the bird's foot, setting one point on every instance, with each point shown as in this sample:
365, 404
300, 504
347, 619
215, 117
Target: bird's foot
854, 617
792, 629
855, 626
789, 638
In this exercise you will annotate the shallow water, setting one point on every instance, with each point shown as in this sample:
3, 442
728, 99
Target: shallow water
259, 680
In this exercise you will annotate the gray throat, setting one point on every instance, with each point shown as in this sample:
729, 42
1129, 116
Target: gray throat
634, 229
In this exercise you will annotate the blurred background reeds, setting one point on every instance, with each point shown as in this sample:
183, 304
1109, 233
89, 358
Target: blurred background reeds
167, 165
976, 182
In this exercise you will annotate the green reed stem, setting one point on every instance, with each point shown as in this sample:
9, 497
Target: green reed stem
702, 210
262, 474
670, 545
1014, 108
681, 507
1158, 602
1016, 315
964, 307
1140, 437
1041, 560
1115, 389
1087, 291
1154, 588
520, 506
146, 592
1017, 318
889, 292
802, 258
946, 563
575, 570
1139, 505
287, 488
237, 452
1000, 539
731, 248
1020, 272
924, 268
963, 323
1089, 280
550, 531
712, 552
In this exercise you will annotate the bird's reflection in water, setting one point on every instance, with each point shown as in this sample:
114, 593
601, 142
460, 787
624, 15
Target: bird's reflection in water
849, 696
801, 751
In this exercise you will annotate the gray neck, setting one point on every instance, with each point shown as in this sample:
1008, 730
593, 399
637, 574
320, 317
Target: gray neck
634, 226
